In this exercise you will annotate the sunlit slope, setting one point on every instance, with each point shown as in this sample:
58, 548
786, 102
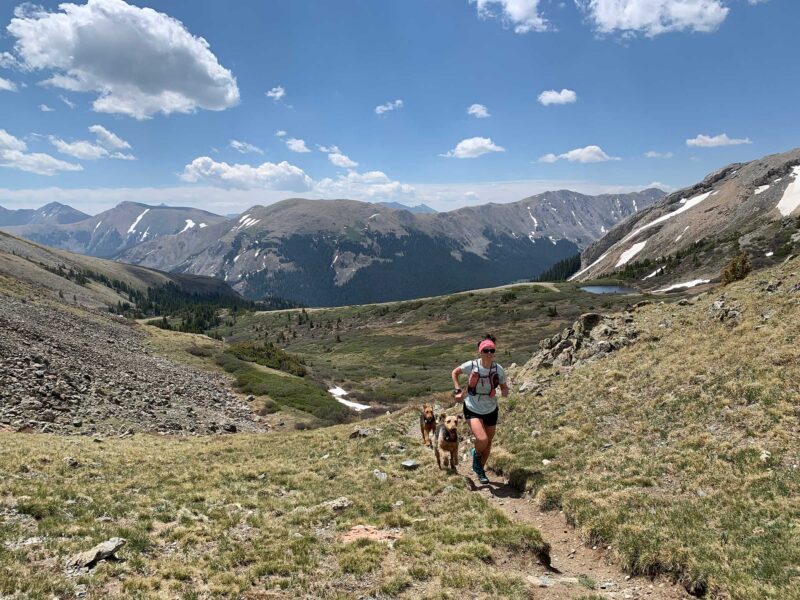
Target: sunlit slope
681, 451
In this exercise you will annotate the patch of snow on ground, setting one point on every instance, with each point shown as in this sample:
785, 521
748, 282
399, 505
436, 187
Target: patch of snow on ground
654, 273
202, 225
686, 284
237, 257
535, 222
96, 226
552, 239
258, 252
532, 238
630, 253
791, 196
761, 189
189, 225
635, 208
375, 215
602, 228
687, 204
678, 239
339, 394
768, 254
778, 180
132, 228
145, 234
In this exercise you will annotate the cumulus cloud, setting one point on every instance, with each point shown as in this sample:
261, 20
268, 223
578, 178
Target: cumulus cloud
276, 93
707, 141
342, 160
654, 154
108, 139
654, 17
107, 146
7, 85
244, 147
589, 154
565, 96
473, 147
80, 149
45, 108
479, 111
8, 61
268, 176
89, 48
522, 15
373, 186
13, 155
280, 133
388, 107
297, 145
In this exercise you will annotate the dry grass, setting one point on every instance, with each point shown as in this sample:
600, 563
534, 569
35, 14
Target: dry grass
241, 516
682, 451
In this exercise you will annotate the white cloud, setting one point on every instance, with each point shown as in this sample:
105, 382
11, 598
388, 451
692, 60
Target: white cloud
107, 143
67, 101
328, 149
45, 108
8, 61
7, 85
297, 145
89, 48
707, 141
654, 154
342, 160
479, 111
270, 176
565, 96
244, 147
654, 17
474, 147
523, 15
276, 93
80, 149
389, 106
108, 139
280, 133
372, 186
13, 156
589, 154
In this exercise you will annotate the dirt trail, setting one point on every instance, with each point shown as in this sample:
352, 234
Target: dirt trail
577, 570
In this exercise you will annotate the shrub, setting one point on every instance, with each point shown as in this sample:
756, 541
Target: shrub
737, 268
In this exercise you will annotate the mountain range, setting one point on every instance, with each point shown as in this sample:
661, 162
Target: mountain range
54, 213
689, 235
328, 252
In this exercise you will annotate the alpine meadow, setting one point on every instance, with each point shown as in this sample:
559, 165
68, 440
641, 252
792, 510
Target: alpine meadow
440, 300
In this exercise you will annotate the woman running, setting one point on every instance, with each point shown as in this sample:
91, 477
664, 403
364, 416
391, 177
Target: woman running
480, 403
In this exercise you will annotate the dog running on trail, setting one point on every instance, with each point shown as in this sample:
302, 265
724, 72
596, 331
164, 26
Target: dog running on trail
480, 400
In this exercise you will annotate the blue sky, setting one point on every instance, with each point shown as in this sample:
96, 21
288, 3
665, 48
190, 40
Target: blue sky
625, 78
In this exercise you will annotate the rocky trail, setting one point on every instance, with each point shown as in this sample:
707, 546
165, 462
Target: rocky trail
576, 570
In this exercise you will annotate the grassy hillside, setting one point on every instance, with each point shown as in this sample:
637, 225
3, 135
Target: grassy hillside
245, 517
400, 351
681, 451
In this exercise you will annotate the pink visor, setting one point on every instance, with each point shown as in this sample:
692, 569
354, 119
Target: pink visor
486, 344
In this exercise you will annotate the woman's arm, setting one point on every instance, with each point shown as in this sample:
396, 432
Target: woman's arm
504, 389
456, 372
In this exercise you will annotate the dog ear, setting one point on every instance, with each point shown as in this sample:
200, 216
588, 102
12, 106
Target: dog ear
459, 417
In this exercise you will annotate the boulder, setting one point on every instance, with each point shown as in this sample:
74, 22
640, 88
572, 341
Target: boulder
103, 551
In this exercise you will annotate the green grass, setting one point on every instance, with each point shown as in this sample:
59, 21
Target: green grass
403, 351
659, 450
284, 390
238, 516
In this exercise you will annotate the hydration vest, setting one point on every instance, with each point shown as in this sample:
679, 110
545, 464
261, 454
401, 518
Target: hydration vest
492, 379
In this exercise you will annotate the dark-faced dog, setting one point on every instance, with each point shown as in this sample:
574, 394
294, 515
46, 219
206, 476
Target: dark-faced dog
427, 423
446, 441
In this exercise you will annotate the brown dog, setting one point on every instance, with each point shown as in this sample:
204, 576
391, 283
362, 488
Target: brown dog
446, 441
427, 423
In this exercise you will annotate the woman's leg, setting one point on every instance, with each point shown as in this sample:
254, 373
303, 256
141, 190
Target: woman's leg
482, 440
489, 429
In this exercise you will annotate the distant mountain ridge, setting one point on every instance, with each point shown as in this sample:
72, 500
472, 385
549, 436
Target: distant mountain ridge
689, 235
324, 252
54, 213
420, 209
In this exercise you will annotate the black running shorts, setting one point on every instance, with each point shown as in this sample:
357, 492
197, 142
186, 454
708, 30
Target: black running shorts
489, 420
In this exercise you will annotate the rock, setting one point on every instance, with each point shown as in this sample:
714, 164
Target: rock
71, 462
362, 433
102, 551
546, 462
379, 475
338, 504
410, 465
229, 428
